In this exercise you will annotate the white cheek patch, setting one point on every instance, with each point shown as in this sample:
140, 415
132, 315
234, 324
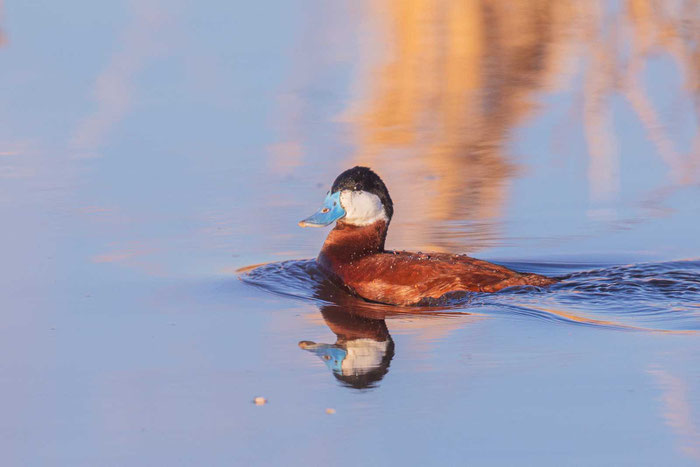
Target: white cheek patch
362, 208
364, 355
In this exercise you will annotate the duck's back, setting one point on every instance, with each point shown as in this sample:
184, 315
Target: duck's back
405, 278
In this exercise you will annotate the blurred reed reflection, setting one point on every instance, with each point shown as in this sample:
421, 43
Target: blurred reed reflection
437, 107
3, 39
677, 410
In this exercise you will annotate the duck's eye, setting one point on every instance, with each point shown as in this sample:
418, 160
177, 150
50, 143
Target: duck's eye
334, 203
326, 357
325, 210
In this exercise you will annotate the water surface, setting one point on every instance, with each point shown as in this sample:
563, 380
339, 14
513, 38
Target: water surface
149, 150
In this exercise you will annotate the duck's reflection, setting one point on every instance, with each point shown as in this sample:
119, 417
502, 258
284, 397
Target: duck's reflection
363, 348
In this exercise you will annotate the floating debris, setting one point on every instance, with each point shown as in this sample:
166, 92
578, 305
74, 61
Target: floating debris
260, 401
330, 411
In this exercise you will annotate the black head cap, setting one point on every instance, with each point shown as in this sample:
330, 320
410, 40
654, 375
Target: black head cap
364, 179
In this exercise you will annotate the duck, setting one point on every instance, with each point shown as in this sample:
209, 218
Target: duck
353, 254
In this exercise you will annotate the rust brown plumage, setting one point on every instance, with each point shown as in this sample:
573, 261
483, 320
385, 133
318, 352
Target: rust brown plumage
355, 257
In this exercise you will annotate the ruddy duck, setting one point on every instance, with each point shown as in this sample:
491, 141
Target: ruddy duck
353, 254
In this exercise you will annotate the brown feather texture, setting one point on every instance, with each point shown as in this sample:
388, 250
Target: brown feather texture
355, 257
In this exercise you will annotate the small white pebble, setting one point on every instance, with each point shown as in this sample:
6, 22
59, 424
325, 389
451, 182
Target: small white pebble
330, 411
260, 400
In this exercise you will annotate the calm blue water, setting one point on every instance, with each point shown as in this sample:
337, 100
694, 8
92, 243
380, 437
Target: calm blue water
151, 152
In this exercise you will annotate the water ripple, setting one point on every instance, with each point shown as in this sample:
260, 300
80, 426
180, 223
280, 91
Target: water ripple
648, 296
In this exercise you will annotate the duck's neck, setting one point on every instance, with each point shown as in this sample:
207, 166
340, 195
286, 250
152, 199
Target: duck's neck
346, 243
348, 326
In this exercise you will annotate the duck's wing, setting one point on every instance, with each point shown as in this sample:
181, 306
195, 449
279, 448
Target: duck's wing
406, 278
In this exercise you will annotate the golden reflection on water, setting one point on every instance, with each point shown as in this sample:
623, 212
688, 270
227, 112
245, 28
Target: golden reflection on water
3, 39
457, 77
2, 35
677, 411
143, 38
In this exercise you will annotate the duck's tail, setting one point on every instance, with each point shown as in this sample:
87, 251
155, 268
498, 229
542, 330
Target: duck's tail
537, 280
